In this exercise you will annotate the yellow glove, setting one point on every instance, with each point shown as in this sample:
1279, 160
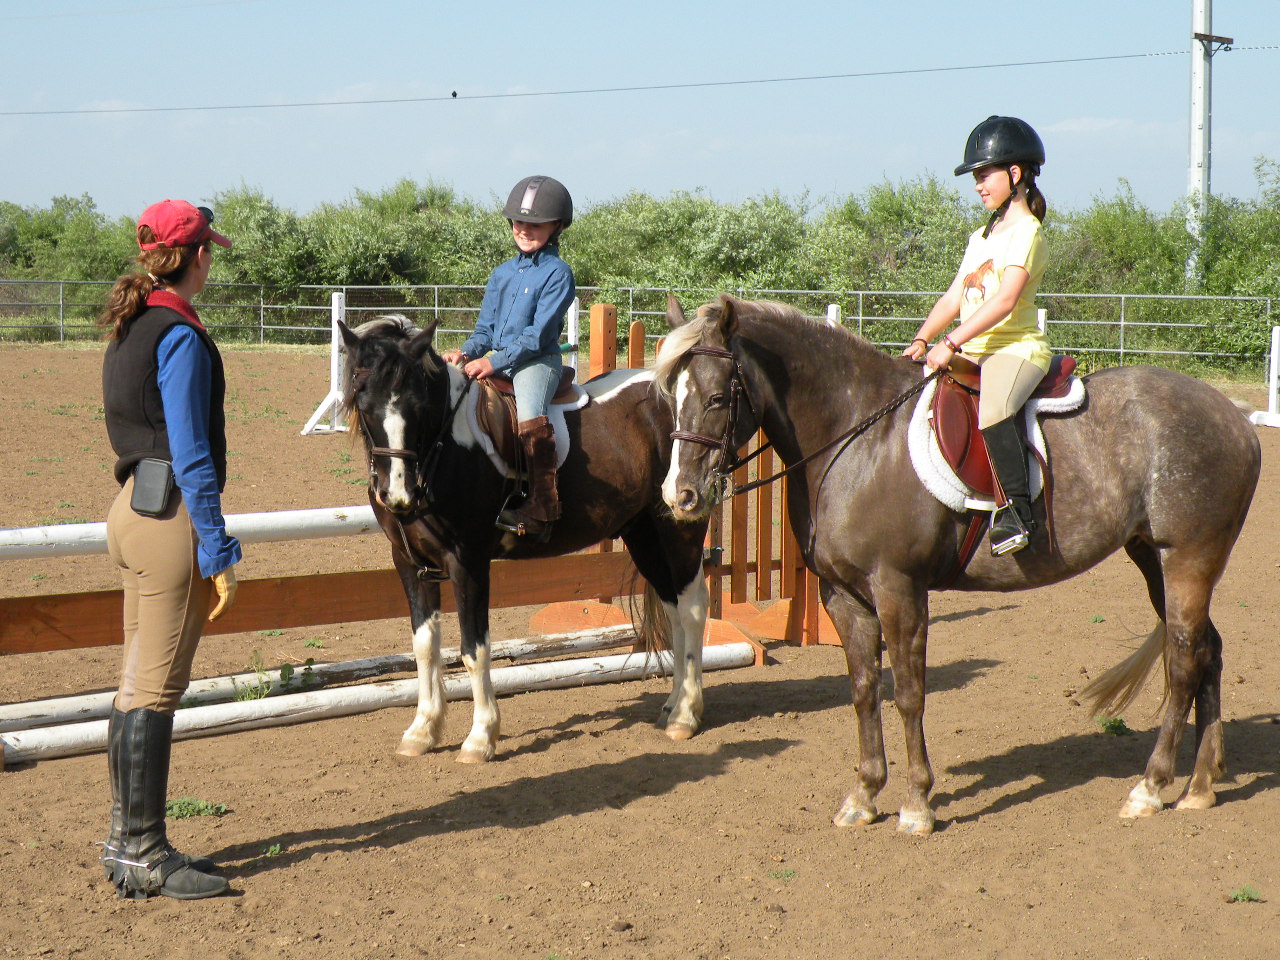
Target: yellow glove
224, 586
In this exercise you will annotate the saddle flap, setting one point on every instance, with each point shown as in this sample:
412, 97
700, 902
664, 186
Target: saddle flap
955, 423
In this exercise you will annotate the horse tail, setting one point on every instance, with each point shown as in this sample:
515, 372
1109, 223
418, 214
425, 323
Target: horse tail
1114, 690
653, 626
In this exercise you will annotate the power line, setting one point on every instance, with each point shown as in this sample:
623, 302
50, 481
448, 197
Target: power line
454, 95
118, 11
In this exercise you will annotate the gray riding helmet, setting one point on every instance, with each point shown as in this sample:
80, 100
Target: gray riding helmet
539, 200
998, 141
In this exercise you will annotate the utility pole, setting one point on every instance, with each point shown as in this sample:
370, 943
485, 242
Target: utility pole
1204, 44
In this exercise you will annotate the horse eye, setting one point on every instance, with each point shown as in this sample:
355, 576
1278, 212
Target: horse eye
715, 400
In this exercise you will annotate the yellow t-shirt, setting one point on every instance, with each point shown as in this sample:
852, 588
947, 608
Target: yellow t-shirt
982, 268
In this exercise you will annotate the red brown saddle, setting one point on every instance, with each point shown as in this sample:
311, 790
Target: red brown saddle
496, 411
955, 418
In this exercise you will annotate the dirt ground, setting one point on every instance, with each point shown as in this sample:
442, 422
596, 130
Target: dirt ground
592, 835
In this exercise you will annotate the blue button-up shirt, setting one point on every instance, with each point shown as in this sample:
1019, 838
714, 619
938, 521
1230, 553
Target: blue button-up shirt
523, 312
184, 376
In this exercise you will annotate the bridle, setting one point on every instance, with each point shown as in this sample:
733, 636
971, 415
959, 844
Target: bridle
425, 464
730, 462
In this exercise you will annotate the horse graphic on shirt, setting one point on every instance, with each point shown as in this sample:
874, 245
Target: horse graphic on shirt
977, 282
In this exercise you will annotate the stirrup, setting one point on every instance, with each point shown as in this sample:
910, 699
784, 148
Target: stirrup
1008, 533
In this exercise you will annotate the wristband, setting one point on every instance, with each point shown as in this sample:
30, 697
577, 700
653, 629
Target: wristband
920, 340
955, 348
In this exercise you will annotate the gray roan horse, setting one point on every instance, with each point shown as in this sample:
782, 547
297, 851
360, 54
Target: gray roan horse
1155, 462
436, 492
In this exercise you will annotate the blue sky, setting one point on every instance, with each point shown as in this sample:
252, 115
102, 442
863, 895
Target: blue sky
1102, 121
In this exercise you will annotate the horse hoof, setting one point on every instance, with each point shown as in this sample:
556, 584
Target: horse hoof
916, 825
413, 748
851, 815
680, 731
1196, 801
1141, 803
474, 755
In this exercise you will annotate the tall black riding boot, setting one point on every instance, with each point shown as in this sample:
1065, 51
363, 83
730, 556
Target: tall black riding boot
1012, 524
145, 864
541, 507
111, 847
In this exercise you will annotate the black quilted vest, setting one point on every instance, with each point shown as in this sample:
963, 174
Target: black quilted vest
131, 395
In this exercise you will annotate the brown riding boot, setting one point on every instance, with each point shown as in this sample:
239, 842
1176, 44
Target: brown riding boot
542, 506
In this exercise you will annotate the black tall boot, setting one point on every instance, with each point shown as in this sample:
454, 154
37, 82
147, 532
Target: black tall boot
541, 507
111, 847
1012, 524
145, 865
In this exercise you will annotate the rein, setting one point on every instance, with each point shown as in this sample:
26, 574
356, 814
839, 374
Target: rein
729, 463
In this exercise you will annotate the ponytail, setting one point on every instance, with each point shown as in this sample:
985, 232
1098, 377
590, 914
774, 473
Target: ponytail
163, 266
1035, 199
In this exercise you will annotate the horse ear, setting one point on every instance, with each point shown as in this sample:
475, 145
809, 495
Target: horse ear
675, 313
728, 316
348, 337
421, 342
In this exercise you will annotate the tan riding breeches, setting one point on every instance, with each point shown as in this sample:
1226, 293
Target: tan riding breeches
1007, 382
165, 602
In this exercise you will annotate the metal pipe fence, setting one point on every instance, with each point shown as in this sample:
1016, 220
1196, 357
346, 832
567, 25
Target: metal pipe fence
1227, 334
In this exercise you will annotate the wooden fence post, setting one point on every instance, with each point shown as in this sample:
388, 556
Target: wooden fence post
604, 339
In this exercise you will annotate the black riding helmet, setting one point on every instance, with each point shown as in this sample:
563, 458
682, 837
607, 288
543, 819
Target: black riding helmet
540, 200
998, 141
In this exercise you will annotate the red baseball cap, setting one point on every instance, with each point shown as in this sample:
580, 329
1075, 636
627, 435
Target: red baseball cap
176, 223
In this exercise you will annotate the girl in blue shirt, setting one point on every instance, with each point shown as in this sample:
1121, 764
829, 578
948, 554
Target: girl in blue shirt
517, 337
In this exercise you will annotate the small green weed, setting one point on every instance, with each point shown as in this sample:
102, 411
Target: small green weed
1245, 895
1113, 725
784, 875
270, 633
315, 643
272, 851
259, 689
182, 808
37, 577
1097, 618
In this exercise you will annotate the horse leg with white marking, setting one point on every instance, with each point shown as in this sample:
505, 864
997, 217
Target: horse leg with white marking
470, 578
424, 732
668, 556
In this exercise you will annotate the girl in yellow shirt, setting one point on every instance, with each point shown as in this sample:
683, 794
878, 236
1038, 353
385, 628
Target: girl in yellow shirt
993, 298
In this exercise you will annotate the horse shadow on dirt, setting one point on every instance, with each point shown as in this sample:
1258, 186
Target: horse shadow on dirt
732, 701
1253, 765
565, 793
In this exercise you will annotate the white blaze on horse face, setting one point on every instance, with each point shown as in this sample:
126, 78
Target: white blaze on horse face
670, 483
398, 496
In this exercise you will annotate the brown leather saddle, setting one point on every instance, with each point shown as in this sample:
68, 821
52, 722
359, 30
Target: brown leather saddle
955, 418
496, 411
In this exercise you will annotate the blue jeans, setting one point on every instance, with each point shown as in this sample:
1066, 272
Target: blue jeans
535, 384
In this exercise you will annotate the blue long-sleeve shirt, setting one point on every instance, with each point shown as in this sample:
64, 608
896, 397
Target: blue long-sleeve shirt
184, 377
523, 312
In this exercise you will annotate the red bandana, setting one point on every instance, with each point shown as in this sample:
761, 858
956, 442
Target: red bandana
165, 298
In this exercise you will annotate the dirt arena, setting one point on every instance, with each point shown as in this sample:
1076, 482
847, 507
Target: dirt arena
592, 835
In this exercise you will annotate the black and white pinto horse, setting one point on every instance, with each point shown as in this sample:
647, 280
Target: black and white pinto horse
436, 491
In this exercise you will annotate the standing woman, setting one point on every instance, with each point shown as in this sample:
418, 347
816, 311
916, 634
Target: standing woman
163, 386
993, 296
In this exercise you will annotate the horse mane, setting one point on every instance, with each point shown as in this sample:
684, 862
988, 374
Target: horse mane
682, 339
